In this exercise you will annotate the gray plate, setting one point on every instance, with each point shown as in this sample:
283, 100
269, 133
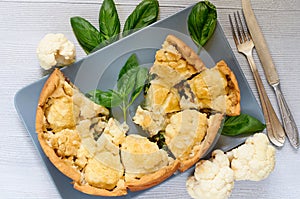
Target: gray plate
100, 70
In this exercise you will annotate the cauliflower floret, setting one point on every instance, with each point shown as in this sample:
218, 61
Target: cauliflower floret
254, 160
213, 179
55, 49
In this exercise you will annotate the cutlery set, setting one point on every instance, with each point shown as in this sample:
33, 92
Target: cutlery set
246, 39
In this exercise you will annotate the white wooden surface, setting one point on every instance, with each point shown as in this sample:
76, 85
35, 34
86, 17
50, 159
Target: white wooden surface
24, 22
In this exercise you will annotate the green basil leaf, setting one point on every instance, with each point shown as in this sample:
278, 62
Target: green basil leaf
109, 23
127, 76
86, 34
126, 83
143, 15
141, 77
132, 62
108, 98
242, 124
202, 22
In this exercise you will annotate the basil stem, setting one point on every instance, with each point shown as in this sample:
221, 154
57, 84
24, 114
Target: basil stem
143, 15
202, 22
86, 34
241, 124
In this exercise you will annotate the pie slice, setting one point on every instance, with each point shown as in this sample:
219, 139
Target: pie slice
189, 134
70, 130
145, 164
216, 89
175, 62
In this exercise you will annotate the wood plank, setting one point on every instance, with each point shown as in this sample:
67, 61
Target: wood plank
261, 5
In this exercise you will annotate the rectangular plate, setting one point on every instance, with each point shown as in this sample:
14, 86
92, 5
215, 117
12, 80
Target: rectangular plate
86, 73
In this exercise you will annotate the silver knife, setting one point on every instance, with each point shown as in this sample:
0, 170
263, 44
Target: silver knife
271, 73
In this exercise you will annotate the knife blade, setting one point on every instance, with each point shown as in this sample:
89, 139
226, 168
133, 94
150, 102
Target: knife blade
271, 73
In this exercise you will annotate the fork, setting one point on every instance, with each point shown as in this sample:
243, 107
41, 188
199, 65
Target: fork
245, 45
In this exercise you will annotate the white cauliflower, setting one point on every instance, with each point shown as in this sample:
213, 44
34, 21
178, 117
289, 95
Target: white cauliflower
254, 160
213, 179
55, 50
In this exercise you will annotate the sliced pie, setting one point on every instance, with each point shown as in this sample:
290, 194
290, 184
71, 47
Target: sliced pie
91, 148
184, 104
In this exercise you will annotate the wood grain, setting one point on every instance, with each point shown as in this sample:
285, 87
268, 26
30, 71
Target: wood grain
24, 22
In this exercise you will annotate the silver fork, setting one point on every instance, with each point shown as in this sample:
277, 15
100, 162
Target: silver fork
245, 45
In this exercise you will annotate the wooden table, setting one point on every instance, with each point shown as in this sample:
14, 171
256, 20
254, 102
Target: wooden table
24, 22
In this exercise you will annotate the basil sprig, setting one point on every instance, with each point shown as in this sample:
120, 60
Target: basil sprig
130, 84
202, 22
242, 124
143, 15
91, 39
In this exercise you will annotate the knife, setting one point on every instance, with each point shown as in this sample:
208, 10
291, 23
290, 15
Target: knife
271, 73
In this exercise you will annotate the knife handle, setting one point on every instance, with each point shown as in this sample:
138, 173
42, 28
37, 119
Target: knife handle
274, 129
288, 121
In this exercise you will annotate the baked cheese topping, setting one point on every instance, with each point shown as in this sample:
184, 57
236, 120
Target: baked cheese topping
59, 109
171, 68
175, 61
209, 87
185, 130
156, 96
150, 121
162, 99
216, 89
140, 156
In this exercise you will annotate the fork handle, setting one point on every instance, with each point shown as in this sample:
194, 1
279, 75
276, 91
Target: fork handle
274, 128
288, 121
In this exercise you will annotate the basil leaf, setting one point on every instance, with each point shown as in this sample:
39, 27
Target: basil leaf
131, 62
86, 34
127, 82
241, 124
141, 78
143, 15
108, 98
202, 22
109, 23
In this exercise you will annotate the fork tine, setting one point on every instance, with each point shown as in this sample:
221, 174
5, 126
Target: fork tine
238, 28
233, 31
242, 27
247, 29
